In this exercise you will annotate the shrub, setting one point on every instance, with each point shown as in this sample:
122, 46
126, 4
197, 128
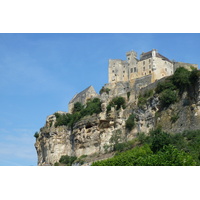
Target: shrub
181, 78
103, 89
128, 95
130, 122
36, 135
158, 139
77, 107
165, 85
118, 102
168, 97
68, 160
92, 106
142, 99
194, 76
174, 118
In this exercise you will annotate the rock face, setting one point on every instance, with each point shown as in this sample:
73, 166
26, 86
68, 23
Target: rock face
91, 135
94, 135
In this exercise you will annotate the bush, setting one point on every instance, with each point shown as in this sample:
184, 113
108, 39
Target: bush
168, 97
77, 107
181, 78
92, 106
194, 76
130, 122
106, 90
165, 85
142, 99
143, 156
128, 95
158, 139
118, 102
174, 118
36, 135
67, 160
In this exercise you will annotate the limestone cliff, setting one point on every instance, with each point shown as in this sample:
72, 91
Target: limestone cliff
92, 134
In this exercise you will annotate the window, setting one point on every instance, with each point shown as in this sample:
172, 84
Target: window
166, 69
123, 71
115, 74
143, 62
131, 70
149, 60
149, 66
149, 72
135, 70
113, 71
143, 68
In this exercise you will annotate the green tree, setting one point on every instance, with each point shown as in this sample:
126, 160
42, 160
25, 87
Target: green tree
168, 97
159, 139
77, 107
36, 135
181, 78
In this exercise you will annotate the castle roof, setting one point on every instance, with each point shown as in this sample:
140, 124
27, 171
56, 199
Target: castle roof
149, 55
77, 96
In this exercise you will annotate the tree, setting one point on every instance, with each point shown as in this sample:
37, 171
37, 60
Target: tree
181, 78
168, 97
77, 107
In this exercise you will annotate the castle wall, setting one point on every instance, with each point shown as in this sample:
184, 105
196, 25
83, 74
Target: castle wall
117, 71
162, 68
186, 65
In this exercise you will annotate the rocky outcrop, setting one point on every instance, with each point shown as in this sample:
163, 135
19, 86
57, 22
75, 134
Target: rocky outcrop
94, 135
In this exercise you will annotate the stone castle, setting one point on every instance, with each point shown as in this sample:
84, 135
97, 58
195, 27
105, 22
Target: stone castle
131, 75
91, 136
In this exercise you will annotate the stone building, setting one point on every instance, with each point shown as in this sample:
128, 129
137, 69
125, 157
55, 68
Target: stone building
82, 97
150, 63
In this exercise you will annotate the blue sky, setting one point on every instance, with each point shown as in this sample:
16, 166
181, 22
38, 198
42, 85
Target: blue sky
40, 73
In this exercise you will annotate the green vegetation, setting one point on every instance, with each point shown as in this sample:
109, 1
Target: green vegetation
103, 89
159, 149
67, 160
81, 159
79, 111
117, 102
167, 84
174, 118
70, 160
181, 78
142, 99
128, 95
77, 107
178, 83
168, 97
36, 135
130, 122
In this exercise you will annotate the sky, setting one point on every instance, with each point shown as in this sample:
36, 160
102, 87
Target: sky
40, 74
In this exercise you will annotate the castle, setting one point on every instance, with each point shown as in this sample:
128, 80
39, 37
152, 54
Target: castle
150, 63
131, 75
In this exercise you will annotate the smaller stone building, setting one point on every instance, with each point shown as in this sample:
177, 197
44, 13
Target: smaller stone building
82, 97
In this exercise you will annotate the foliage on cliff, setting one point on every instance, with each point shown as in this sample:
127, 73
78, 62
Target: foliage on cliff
79, 111
160, 149
116, 102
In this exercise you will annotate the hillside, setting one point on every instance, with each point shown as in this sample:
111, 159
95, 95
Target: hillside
111, 123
